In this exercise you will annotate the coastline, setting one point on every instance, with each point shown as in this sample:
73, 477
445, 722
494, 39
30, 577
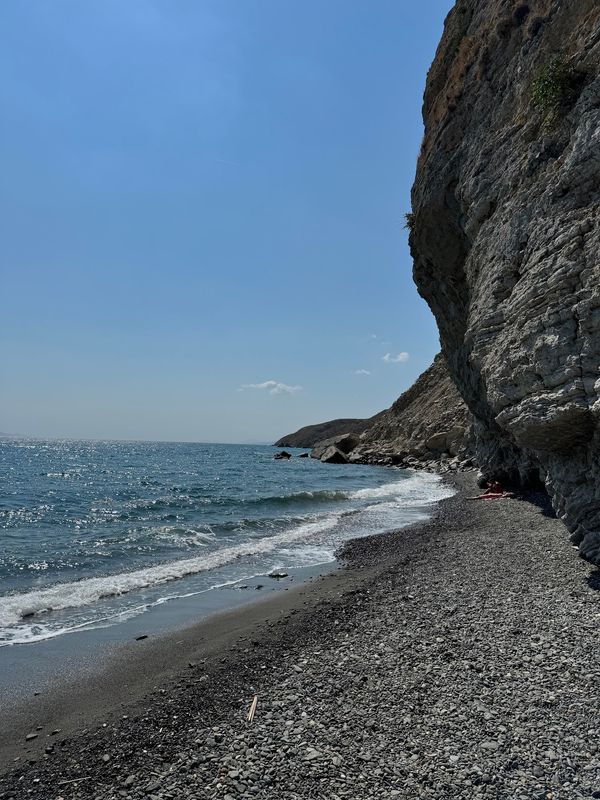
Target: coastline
360, 675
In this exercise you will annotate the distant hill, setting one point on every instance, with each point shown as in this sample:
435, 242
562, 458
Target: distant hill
426, 426
311, 434
429, 416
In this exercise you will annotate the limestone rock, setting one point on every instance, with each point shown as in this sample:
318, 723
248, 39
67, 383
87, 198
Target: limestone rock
505, 238
344, 443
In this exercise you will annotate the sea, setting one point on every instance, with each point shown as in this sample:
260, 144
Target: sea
93, 533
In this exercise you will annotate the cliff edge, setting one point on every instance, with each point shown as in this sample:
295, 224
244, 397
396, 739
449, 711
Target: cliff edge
505, 240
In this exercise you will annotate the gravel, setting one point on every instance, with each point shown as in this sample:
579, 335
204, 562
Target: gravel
464, 665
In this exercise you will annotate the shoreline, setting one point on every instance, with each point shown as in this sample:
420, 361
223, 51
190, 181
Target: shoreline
102, 666
358, 675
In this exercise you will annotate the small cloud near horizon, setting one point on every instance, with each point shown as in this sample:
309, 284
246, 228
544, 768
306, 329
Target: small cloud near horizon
362, 371
272, 387
400, 358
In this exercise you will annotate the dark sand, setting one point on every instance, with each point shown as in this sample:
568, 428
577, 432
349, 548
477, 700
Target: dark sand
64, 664
455, 658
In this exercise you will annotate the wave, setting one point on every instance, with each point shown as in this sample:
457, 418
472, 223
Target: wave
36, 631
190, 537
292, 534
323, 496
417, 489
18, 607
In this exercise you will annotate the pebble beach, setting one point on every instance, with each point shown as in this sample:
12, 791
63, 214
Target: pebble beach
455, 658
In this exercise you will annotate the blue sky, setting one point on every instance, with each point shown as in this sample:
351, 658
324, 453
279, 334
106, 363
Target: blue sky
202, 214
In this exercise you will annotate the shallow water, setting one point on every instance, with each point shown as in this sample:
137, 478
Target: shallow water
94, 533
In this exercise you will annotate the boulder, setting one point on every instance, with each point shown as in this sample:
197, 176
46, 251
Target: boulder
451, 440
283, 455
438, 441
333, 455
344, 443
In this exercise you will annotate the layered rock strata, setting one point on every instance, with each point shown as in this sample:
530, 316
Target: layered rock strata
505, 239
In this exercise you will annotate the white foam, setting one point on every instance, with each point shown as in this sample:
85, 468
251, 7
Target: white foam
421, 488
35, 632
311, 543
16, 608
192, 537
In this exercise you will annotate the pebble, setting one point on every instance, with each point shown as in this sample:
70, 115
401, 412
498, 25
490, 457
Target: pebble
418, 676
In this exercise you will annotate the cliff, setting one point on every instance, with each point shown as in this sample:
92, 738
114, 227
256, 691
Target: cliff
428, 426
505, 239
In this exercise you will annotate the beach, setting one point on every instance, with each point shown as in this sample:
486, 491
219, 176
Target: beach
455, 658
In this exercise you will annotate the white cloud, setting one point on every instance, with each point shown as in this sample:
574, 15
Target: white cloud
400, 358
273, 387
362, 372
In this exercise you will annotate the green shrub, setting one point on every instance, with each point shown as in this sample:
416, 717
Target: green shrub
552, 90
409, 220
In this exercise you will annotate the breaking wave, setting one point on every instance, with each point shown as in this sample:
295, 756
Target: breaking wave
15, 608
146, 523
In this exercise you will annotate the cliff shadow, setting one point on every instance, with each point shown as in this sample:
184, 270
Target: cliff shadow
593, 580
539, 498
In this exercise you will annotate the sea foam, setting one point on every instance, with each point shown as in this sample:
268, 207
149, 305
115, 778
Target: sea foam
18, 607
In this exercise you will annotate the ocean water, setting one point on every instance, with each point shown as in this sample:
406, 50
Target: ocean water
93, 533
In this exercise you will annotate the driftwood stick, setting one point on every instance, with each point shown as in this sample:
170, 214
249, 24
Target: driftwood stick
74, 780
252, 711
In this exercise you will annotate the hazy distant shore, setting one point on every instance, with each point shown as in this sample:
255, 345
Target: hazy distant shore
445, 660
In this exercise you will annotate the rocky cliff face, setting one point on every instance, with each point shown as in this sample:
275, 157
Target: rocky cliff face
505, 238
428, 426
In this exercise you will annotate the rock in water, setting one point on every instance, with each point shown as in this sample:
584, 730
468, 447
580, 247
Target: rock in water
283, 455
505, 238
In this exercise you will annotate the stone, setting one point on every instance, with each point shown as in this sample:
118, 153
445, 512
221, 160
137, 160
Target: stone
332, 455
505, 241
490, 745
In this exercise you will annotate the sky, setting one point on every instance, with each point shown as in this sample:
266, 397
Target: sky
201, 214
